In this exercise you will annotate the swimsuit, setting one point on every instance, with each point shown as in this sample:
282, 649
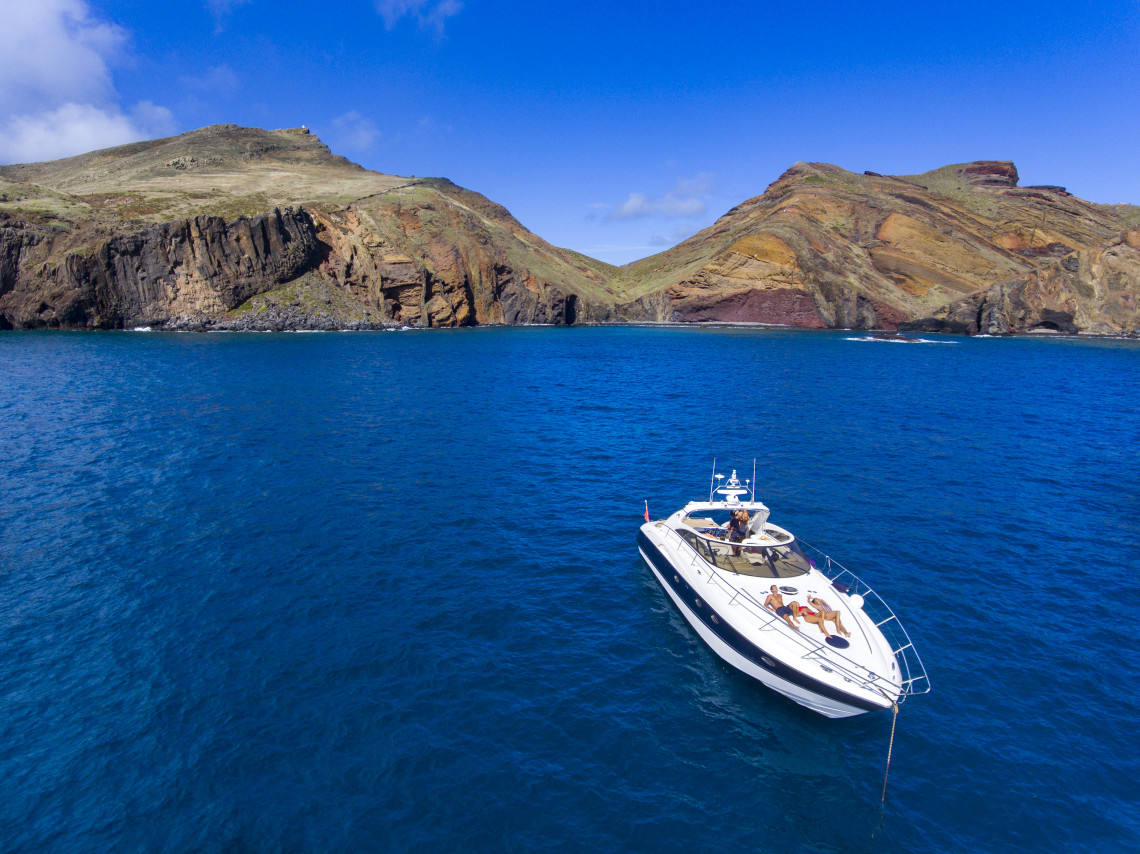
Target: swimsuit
783, 611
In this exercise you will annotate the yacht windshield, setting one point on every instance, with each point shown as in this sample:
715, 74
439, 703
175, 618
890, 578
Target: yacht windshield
785, 561
782, 561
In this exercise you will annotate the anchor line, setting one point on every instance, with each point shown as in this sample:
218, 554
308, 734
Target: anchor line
890, 748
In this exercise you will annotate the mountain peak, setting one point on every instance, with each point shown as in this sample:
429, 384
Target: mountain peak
984, 174
212, 149
989, 173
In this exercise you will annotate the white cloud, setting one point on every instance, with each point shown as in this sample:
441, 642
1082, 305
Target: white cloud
677, 235
685, 200
640, 205
430, 127
152, 119
431, 14
355, 132
221, 9
701, 185
437, 14
53, 51
58, 97
217, 78
224, 7
75, 128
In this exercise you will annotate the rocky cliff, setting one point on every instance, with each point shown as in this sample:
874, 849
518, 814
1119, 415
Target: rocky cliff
191, 268
962, 249
231, 227
240, 228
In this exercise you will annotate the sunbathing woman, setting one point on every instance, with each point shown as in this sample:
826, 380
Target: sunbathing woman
829, 613
809, 616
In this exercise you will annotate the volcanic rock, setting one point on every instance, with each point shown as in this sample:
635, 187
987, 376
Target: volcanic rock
230, 227
961, 249
184, 232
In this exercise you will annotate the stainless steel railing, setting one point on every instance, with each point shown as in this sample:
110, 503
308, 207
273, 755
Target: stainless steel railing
850, 670
915, 679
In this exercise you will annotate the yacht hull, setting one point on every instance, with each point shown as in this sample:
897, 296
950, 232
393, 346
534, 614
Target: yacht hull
717, 631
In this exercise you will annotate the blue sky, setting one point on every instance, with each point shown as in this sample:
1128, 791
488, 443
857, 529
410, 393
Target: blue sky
613, 130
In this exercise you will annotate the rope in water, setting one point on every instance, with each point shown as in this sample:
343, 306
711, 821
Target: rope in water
886, 773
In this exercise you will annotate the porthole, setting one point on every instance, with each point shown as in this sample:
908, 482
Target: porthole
716, 619
767, 661
677, 578
698, 603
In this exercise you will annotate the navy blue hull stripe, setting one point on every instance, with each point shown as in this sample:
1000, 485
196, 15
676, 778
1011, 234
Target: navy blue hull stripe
721, 628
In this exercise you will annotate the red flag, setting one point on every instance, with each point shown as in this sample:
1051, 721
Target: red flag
647, 510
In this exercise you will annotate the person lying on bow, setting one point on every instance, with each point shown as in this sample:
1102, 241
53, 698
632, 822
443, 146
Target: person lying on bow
829, 614
775, 602
809, 616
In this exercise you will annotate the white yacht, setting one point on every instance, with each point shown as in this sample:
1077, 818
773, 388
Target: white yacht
854, 658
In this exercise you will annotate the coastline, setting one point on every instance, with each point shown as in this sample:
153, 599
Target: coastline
182, 325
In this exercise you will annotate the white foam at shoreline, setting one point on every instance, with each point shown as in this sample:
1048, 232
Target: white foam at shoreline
897, 340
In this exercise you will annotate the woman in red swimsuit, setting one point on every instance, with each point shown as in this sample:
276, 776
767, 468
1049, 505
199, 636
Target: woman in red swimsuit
826, 612
809, 616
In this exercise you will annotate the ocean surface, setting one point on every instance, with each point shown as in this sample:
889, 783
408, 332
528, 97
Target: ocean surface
381, 591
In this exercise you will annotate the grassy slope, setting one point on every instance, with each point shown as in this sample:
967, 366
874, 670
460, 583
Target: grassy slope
945, 197
687, 258
230, 171
1128, 214
222, 170
458, 216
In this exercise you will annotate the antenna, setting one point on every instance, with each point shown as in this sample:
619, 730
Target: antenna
712, 480
754, 478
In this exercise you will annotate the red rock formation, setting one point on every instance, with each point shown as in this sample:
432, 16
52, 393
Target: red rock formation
119, 238
960, 249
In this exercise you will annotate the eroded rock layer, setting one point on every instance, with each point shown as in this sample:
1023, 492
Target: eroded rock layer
239, 228
962, 249
192, 268
96, 242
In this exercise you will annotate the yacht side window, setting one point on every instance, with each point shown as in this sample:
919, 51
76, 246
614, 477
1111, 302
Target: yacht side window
697, 543
788, 561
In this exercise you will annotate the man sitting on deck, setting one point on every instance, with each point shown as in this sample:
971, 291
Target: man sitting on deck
775, 602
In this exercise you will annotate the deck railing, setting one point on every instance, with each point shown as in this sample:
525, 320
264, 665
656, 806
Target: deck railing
845, 667
915, 680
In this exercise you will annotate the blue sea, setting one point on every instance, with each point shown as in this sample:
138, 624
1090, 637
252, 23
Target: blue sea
381, 591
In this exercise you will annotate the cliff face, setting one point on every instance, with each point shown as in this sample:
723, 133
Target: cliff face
97, 242
435, 254
1095, 288
193, 268
239, 228
960, 249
